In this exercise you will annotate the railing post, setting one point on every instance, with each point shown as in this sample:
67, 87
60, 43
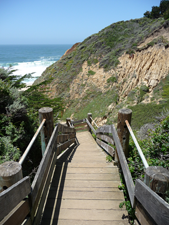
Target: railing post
46, 132
68, 122
157, 179
10, 173
122, 131
89, 119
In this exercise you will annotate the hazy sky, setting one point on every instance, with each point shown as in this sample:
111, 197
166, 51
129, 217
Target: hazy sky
63, 21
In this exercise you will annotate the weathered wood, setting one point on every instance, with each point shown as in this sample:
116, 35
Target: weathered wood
124, 166
18, 214
10, 173
61, 157
106, 138
42, 199
106, 147
38, 213
122, 130
64, 146
27, 222
157, 178
90, 126
64, 137
104, 129
68, 122
89, 115
63, 129
142, 215
83, 129
46, 113
11, 197
153, 204
43, 168
78, 121
80, 124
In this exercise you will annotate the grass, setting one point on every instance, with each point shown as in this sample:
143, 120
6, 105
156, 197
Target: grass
146, 113
95, 102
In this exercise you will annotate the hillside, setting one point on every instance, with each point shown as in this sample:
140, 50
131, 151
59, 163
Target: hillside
124, 65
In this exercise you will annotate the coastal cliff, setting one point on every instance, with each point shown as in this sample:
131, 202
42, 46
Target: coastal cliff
125, 64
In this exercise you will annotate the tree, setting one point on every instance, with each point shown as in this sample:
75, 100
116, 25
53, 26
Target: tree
155, 13
164, 6
147, 14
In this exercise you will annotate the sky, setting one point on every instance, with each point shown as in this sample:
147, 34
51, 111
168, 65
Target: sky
63, 21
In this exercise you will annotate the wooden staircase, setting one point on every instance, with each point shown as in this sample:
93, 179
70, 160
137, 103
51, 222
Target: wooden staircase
84, 189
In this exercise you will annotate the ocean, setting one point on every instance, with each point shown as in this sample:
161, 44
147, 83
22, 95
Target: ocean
30, 58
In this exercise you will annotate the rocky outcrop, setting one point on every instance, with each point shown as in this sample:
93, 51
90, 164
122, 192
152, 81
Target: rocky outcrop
73, 48
94, 66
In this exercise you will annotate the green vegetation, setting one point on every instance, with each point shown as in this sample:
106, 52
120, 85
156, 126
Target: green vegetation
94, 101
19, 118
155, 149
146, 113
159, 11
111, 80
126, 202
143, 90
104, 48
109, 158
91, 72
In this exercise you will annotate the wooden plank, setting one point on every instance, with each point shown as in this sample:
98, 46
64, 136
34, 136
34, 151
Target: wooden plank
11, 197
91, 126
106, 147
36, 217
153, 204
82, 129
18, 214
45, 190
78, 121
40, 176
124, 166
64, 137
142, 215
64, 146
80, 124
65, 129
104, 129
106, 138
27, 221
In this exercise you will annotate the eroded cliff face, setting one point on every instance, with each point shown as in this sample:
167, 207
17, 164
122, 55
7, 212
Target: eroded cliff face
146, 66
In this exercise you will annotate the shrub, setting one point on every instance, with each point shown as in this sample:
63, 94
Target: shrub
111, 80
91, 72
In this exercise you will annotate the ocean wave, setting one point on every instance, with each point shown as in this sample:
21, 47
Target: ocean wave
35, 67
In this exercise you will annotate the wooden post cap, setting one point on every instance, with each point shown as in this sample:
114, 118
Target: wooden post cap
157, 178
122, 130
125, 111
45, 110
10, 173
46, 132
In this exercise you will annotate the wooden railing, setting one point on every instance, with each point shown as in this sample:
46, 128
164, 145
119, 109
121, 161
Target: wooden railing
22, 203
150, 208
25, 202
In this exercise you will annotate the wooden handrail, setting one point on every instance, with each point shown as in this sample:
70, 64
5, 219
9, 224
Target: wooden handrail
124, 166
31, 142
89, 124
61, 140
137, 145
